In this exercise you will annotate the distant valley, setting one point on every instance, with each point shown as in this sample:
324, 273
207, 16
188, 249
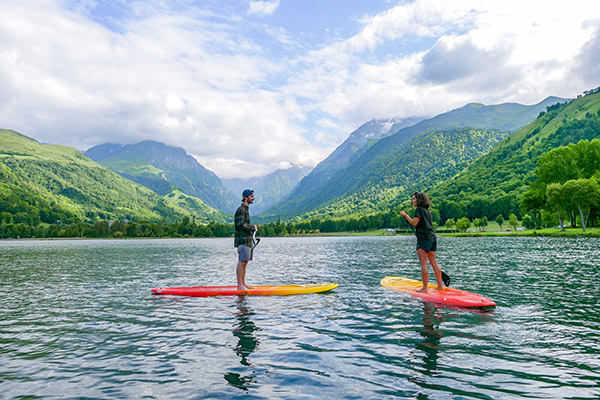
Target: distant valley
269, 189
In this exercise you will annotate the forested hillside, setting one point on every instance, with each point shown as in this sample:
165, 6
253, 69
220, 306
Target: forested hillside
356, 144
418, 156
494, 184
380, 184
51, 184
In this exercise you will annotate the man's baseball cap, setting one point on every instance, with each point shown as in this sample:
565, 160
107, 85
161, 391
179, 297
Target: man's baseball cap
247, 193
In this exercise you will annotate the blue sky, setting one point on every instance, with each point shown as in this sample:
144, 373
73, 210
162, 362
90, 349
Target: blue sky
251, 86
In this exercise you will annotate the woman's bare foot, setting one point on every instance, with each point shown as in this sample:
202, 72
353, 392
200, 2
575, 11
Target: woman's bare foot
423, 289
439, 288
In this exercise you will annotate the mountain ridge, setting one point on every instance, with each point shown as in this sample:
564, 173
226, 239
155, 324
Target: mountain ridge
55, 182
159, 167
363, 137
384, 158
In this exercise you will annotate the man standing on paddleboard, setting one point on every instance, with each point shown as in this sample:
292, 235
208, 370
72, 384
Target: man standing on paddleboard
243, 237
426, 240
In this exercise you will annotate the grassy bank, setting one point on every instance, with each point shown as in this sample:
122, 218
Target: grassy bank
551, 232
492, 231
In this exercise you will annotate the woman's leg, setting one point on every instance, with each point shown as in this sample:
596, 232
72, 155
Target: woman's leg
424, 271
436, 269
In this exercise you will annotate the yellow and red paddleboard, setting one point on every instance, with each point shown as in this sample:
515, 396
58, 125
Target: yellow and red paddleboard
448, 296
271, 290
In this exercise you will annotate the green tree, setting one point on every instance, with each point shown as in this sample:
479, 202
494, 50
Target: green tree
203, 230
451, 209
555, 198
484, 223
549, 218
558, 165
315, 224
500, 220
588, 157
534, 200
584, 193
463, 224
100, 229
132, 230
328, 225
513, 221
291, 228
279, 228
562, 164
528, 221
450, 224
118, 229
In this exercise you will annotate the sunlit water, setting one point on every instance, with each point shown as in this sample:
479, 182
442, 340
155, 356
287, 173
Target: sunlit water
78, 320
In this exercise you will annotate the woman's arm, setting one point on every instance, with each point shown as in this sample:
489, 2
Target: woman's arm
413, 221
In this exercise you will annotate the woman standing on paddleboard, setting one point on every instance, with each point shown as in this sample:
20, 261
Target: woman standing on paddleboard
426, 240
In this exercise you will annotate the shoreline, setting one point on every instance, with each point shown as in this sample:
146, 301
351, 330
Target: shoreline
593, 232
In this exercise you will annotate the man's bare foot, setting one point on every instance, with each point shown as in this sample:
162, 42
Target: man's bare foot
423, 289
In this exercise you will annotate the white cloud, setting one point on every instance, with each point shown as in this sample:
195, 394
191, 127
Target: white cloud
588, 61
263, 7
244, 98
484, 51
168, 78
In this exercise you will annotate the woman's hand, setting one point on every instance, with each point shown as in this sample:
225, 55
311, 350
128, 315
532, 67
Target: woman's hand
403, 213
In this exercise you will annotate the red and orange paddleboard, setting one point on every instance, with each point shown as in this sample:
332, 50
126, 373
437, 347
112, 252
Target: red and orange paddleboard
448, 296
271, 290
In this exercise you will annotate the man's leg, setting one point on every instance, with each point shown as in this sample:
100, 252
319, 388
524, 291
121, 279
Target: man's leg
241, 275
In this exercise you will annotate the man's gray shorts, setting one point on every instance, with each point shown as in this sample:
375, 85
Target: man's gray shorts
245, 253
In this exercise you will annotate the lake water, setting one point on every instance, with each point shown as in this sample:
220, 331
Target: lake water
78, 320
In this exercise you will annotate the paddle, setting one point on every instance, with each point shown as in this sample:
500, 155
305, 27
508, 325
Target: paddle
255, 240
445, 277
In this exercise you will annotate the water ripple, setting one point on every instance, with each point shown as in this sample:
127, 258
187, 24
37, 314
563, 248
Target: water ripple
79, 321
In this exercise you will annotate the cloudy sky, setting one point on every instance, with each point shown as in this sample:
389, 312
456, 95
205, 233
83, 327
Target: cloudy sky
250, 86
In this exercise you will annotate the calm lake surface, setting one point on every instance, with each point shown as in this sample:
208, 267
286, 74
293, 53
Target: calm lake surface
78, 320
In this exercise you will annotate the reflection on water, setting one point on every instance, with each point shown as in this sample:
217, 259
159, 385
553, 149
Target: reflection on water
430, 345
244, 330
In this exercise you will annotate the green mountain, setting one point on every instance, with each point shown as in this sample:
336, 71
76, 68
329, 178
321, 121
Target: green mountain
357, 143
160, 167
50, 183
268, 189
415, 157
494, 184
195, 207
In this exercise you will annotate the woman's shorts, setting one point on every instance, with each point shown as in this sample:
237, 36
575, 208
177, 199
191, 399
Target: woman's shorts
245, 253
427, 244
